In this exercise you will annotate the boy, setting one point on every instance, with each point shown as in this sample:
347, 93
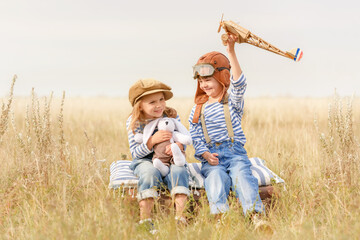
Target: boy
218, 138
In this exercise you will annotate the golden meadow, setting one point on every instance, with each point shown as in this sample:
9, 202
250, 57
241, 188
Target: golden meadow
56, 152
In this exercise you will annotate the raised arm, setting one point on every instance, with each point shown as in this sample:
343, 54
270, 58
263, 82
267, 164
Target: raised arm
238, 81
230, 48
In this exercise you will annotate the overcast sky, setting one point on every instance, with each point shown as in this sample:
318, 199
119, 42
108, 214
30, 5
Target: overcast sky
99, 48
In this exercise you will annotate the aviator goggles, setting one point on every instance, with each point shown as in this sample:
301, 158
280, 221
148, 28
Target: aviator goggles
205, 70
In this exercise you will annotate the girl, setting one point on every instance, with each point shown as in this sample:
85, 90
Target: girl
147, 97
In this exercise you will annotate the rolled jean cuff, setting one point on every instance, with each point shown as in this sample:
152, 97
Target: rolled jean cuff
218, 208
180, 190
148, 193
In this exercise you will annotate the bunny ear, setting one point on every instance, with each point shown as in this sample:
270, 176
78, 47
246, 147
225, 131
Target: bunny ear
180, 128
149, 129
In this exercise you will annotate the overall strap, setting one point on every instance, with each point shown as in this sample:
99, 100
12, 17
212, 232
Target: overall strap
206, 135
227, 120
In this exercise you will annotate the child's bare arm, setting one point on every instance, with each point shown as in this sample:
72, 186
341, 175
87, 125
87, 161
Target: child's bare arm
230, 48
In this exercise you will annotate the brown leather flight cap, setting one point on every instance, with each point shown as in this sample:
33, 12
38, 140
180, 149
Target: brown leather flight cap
217, 60
148, 86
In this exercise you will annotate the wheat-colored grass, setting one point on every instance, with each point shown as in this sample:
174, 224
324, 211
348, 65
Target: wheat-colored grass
56, 154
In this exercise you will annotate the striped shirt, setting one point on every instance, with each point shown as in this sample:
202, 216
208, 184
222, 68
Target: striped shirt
215, 119
138, 150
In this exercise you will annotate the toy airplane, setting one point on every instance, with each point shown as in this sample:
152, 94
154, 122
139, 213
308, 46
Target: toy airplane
245, 36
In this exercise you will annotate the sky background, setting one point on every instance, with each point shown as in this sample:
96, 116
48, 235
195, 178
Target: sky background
100, 48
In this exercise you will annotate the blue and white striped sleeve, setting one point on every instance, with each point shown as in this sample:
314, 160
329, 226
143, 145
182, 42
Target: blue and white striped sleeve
237, 91
137, 150
178, 118
197, 136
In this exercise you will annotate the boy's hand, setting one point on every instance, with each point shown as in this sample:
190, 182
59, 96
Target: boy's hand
211, 158
230, 46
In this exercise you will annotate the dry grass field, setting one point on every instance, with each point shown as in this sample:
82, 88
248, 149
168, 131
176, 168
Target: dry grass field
56, 152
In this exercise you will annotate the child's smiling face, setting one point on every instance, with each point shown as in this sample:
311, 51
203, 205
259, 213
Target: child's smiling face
211, 87
153, 105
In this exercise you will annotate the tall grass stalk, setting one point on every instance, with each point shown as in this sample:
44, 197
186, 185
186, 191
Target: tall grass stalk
340, 146
5, 110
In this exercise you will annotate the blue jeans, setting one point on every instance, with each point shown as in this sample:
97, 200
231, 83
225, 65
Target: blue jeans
150, 179
233, 171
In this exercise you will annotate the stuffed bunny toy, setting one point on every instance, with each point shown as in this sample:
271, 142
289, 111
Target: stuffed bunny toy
180, 134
